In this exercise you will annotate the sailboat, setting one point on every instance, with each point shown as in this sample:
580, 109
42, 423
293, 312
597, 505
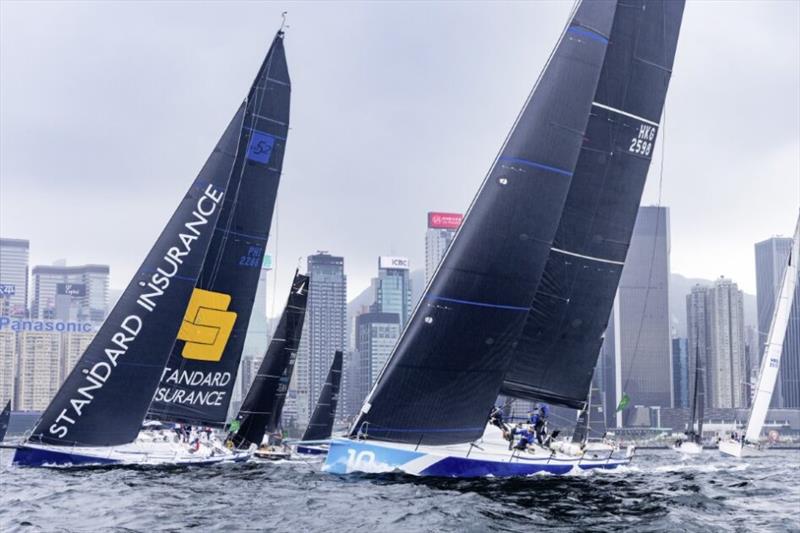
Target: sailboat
261, 410
519, 303
5, 418
693, 444
190, 299
748, 444
320, 427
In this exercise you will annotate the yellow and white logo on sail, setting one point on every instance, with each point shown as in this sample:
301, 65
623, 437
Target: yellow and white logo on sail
206, 326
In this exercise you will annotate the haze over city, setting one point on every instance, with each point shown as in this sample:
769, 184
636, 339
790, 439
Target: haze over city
109, 110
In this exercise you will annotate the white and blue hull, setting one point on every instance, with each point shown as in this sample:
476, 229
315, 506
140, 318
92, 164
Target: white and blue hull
487, 459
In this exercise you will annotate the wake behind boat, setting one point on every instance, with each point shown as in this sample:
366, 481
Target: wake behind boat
172, 343
520, 301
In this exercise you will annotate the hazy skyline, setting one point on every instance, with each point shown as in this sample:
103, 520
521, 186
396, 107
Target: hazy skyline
109, 110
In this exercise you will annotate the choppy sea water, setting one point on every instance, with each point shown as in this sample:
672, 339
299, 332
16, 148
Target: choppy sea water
660, 492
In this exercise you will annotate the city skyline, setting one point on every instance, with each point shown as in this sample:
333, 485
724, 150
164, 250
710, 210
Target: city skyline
186, 109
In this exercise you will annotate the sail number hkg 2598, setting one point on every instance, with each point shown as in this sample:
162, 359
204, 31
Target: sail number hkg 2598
642, 144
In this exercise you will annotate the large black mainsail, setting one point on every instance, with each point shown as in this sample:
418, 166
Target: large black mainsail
5, 418
321, 425
201, 372
104, 399
262, 407
557, 352
697, 409
448, 365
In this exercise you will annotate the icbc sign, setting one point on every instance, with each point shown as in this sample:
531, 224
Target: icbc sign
444, 220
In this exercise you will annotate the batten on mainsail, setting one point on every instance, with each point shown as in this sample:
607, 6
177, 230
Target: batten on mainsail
320, 426
556, 353
201, 370
448, 365
262, 406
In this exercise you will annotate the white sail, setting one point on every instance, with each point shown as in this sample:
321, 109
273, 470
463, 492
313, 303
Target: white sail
770, 362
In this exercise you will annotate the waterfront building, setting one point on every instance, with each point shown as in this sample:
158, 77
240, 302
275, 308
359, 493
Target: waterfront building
771, 257
392, 288
14, 254
70, 293
442, 229
376, 335
636, 358
8, 365
324, 332
39, 373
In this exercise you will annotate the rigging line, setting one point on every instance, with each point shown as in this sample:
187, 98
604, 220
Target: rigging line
652, 256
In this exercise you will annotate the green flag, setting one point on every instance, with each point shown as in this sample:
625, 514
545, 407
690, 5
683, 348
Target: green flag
623, 403
234, 427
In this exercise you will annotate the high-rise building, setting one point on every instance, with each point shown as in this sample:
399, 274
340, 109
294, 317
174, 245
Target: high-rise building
715, 325
8, 365
376, 335
680, 372
256, 340
14, 277
392, 288
39, 369
771, 258
636, 354
441, 230
324, 332
73, 344
75, 293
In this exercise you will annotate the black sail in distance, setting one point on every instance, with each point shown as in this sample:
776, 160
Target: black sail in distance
446, 370
104, 399
262, 407
321, 425
558, 349
201, 372
5, 418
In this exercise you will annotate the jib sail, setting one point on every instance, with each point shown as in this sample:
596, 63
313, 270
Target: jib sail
262, 407
321, 425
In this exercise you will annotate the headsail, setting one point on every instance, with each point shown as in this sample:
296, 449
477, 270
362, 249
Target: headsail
262, 407
697, 410
556, 354
201, 372
321, 425
448, 365
104, 399
771, 360
5, 418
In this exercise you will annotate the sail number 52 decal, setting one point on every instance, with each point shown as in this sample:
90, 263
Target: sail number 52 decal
642, 144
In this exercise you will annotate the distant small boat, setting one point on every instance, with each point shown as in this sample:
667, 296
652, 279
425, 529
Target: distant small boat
748, 444
320, 427
5, 418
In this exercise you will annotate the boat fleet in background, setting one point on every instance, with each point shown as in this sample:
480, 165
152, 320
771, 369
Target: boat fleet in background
517, 306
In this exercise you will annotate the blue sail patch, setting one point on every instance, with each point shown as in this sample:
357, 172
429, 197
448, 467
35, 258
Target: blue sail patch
260, 147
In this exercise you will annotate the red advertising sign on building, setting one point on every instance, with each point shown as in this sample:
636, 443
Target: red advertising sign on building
444, 220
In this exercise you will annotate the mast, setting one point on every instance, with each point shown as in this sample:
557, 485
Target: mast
320, 426
446, 369
200, 374
262, 407
770, 362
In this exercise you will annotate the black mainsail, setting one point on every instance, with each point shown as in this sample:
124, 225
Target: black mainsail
262, 407
104, 399
556, 354
447, 368
5, 418
697, 409
201, 371
321, 425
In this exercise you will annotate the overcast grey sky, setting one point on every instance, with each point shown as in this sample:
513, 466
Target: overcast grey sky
108, 110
